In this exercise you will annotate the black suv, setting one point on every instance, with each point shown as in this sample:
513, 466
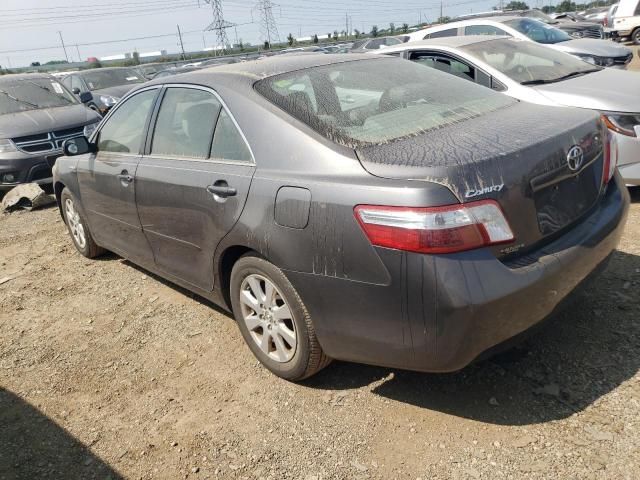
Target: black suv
37, 114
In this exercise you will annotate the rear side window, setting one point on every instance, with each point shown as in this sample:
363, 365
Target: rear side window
228, 144
451, 32
366, 102
483, 30
185, 123
124, 129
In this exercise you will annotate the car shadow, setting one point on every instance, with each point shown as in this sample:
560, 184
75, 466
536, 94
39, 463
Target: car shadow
34, 446
634, 192
583, 353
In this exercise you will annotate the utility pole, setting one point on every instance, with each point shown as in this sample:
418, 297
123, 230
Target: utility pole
78, 50
441, 10
63, 47
346, 24
184, 57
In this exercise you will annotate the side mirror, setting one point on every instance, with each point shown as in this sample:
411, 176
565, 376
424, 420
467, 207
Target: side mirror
86, 97
76, 91
77, 146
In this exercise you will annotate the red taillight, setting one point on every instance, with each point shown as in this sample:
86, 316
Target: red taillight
453, 228
610, 152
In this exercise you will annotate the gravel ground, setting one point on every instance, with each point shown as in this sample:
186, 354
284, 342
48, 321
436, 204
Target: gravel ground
109, 372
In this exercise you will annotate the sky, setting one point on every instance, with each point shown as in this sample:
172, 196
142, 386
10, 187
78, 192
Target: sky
29, 28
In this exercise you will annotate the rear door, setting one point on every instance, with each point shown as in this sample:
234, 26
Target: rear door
193, 182
107, 178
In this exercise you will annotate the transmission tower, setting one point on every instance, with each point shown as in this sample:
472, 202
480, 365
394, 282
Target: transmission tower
268, 29
219, 25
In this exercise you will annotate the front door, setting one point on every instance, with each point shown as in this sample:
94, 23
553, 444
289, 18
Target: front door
107, 178
193, 184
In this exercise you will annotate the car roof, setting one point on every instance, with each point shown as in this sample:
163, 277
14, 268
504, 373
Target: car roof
258, 69
25, 76
103, 69
458, 41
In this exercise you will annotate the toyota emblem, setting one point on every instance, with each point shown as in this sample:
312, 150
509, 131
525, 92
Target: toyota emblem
575, 157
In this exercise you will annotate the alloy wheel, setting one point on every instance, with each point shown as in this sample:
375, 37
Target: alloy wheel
75, 224
268, 318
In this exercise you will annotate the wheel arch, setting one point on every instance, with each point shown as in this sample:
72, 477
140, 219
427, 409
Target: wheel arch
227, 260
58, 187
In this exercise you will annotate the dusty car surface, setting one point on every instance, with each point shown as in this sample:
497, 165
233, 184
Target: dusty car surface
348, 207
108, 85
37, 114
533, 73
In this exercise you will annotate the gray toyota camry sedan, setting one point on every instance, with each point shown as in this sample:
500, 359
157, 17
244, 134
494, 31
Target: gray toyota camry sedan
348, 207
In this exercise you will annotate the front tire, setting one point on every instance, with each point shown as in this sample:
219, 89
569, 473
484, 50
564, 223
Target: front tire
78, 226
274, 321
635, 36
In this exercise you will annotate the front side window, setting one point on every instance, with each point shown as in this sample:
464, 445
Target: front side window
538, 31
185, 123
451, 32
124, 129
483, 30
99, 79
33, 94
76, 83
375, 44
527, 62
368, 102
445, 64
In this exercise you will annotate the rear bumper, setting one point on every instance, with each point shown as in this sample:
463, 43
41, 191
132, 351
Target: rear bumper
438, 313
26, 169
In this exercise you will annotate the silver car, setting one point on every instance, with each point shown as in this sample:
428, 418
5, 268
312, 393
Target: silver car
598, 52
537, 74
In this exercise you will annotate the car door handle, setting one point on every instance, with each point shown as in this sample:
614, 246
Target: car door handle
125, 178
222, 189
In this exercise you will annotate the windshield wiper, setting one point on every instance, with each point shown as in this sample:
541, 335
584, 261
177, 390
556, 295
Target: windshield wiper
559, 79
19, 100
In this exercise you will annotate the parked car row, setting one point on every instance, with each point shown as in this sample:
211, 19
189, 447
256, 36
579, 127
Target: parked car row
598, 52
534, 73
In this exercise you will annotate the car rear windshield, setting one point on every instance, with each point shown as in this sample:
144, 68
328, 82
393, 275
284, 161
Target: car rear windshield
365, 102
32, 94
527, 62
100, 79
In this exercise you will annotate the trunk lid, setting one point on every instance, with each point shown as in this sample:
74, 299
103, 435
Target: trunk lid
517, 156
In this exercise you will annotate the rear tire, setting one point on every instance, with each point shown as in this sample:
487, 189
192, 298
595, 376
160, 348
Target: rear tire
78, 226
274, 321
635, 36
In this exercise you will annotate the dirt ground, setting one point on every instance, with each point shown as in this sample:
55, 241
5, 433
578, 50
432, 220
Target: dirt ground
109, 372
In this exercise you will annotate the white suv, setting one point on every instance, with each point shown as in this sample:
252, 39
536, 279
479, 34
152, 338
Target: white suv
626, 20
